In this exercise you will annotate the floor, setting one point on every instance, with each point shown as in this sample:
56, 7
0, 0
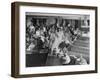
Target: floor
53, 60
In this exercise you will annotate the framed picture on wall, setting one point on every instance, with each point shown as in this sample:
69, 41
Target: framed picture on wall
53, 39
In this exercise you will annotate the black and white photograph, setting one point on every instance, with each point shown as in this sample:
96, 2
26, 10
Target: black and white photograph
57, 39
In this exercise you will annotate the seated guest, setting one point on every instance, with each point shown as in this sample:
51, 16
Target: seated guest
60, 54
32, 28
31, 47
65, 59
38, 33
81, 61
62, 45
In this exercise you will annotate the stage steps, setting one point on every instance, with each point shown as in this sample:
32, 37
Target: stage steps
80, 47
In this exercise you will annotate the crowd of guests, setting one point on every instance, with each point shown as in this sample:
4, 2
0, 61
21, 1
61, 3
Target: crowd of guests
46, 34
56, 37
